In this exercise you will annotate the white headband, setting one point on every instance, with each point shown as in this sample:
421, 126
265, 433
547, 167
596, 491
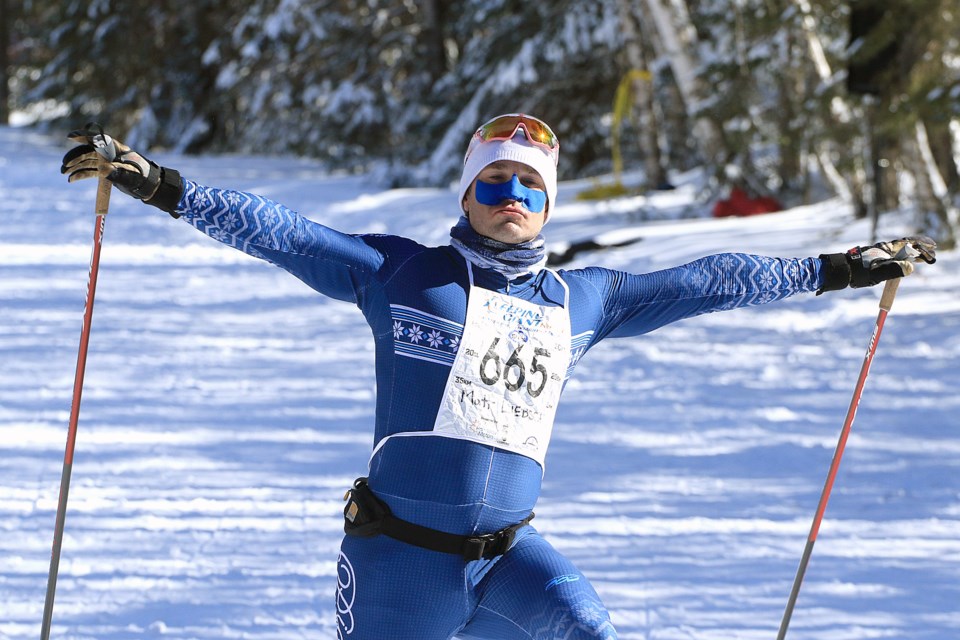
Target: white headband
518, 149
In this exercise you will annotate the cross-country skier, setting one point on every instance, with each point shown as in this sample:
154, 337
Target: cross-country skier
439, 541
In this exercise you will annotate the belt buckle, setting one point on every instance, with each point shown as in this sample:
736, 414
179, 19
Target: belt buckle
474, 548
490, 545
507, 537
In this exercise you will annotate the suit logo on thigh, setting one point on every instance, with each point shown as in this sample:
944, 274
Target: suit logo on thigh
346, 592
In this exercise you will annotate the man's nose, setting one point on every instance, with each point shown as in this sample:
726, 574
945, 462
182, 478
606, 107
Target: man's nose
515, 191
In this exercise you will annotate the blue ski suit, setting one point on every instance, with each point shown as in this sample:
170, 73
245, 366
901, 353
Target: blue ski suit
415, 300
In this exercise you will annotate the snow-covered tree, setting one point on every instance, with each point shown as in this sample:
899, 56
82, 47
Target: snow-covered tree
397, 86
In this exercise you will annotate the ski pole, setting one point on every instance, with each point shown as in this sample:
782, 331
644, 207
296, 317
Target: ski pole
102, 205
886, 302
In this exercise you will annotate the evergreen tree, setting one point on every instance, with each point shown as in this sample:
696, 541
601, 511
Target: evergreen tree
397, 86
561, 62
132, 66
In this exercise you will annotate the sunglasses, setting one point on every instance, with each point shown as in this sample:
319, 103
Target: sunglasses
505, 128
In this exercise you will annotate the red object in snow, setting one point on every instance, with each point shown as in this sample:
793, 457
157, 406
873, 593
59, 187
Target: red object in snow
741, 204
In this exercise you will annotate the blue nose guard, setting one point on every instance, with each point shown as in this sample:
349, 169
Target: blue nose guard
533, 200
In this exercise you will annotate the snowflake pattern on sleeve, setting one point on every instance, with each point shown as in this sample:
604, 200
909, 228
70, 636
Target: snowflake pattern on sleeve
749, 280
241, 220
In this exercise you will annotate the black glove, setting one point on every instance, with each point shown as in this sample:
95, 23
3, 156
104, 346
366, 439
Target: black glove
100, 155
867, 266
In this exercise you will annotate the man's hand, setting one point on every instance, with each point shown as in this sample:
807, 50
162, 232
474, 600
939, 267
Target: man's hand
867, 266
886, 260
98, 154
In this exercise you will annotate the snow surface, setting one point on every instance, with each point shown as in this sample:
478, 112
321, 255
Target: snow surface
227, 407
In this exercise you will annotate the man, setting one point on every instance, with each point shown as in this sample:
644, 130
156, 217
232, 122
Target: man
438, 537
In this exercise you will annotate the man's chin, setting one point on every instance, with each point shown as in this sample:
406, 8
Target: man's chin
511, 233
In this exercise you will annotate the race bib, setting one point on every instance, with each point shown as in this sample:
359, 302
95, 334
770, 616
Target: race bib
508, 373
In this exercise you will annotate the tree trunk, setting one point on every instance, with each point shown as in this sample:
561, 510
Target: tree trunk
792, 118
636, 50
5, 20
432, 39
940, 145
939, 218
678, 41
852, 187
955, 144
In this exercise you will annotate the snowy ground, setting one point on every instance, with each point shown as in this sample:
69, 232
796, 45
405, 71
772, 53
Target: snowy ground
227, 407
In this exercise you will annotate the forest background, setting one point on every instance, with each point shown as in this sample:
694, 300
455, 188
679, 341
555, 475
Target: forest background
799, 99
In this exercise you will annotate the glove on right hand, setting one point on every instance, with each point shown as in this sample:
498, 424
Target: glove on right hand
867, 266
100, 155
886, 260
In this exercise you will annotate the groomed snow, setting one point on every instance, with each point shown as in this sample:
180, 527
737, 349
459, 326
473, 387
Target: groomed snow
227, 407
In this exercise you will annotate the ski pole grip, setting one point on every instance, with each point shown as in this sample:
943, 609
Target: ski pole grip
889, 291
103, 196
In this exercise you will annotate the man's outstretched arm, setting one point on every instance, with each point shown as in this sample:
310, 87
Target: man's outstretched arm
331, 262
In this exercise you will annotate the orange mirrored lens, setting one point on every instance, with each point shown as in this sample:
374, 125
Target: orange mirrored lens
505, 127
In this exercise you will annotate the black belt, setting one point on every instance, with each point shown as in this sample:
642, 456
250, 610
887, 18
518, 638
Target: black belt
365, 515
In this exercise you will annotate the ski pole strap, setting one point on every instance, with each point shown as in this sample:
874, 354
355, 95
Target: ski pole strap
365, 515
836, 272
168, 194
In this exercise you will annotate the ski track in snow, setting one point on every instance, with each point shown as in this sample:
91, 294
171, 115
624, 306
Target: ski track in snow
226, 408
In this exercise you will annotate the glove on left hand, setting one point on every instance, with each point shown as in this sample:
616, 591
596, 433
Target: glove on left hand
100, 155
867, 266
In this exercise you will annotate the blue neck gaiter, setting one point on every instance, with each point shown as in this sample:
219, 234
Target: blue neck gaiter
511, 260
